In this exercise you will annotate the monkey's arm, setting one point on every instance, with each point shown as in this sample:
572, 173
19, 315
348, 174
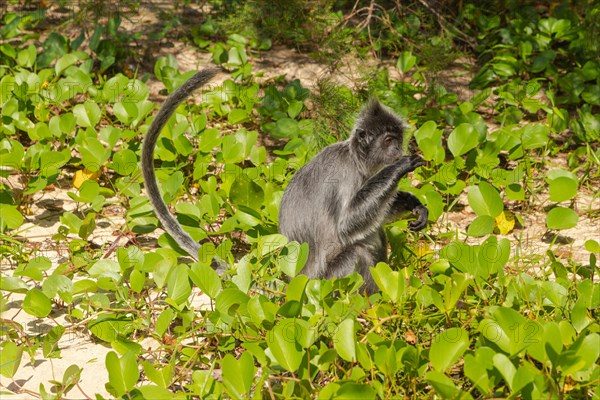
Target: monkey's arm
368, 208
404, 202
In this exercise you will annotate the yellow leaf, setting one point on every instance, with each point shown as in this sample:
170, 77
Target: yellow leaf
505, 222
423, 249
83, 175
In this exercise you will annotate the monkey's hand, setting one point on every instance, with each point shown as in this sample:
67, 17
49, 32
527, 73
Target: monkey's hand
409, 163
421, 222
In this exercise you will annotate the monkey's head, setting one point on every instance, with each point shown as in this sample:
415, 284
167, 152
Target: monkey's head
377, 136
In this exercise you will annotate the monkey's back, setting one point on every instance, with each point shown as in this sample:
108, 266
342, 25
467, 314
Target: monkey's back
313, 200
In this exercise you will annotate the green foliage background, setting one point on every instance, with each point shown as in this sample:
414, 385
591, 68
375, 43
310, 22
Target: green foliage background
460, 314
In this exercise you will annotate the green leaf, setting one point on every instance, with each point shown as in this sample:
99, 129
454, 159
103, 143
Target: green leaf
58, 284
481, 226
123, 373
237, 56
67, 122
442, 385
238, 375
219, 54
229, 302
88, 191
50, 346
563, 188
534, 136
87, 227
503, 69
108, 327
591, 95
164, 321
13, 284
11, 358
237, 116
209, 139
524, 376
454, 289
54, 46
462, 256
87, 114
429, 140
124, 162
448, 347
26, 57
71, 376
386, 360
510, 331
8, 50
296, 287
506, 368
64, 62
587, 351
153, 392
492, 256
10, 217
406, 61
543, 60
137, 280
561, 218
93, 154
294, 108
477, 373
178, 285
105, 267
11, 153
161, 376
37, 303
344, 340
271, 243
290, 309
285, 128
283, 345
247, 193
462, 139
592, 246
206, 278
353, 391
391, 283
125, 111
293, 257
551, 345
515, 192
485, 200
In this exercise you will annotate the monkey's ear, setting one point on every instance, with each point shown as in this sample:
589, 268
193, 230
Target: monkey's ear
360, 133
361, 137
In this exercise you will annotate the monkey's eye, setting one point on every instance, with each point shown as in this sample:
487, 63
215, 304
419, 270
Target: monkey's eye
388, 140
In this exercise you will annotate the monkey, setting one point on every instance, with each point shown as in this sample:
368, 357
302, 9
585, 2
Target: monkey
339, 201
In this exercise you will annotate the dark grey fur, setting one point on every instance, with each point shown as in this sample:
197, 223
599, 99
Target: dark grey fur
166, 110
339, 202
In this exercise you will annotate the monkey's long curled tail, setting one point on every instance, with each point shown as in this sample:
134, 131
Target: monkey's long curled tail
168, 221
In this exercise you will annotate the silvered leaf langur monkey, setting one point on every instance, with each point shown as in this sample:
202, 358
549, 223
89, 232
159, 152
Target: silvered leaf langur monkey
337, 203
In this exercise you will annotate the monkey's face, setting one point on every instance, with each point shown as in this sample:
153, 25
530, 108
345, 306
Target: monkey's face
380, 146
390, 144
377, 136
